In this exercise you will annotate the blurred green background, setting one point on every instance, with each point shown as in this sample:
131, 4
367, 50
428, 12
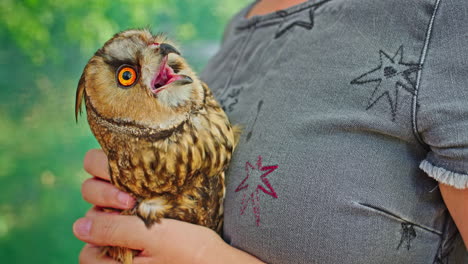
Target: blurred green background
44, 46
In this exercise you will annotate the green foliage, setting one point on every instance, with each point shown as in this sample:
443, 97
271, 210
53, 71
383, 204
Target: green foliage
42, 29
44, 47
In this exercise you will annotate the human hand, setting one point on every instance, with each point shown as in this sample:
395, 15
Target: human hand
170, 241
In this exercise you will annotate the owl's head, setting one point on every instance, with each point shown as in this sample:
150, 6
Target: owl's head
141, 78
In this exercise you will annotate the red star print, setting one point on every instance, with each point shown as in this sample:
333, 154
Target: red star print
264, 186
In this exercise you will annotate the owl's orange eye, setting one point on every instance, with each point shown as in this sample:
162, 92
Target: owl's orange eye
126, 76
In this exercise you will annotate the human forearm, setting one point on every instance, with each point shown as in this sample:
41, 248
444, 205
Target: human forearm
457, 204
226, 254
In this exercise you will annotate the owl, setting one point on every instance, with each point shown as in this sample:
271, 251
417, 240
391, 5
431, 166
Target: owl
167, 139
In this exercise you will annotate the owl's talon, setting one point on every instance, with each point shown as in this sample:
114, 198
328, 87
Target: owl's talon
134, 209
152, 210
148, 222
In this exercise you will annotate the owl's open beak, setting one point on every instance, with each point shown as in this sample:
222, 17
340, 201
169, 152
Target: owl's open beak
165, 76
165, 49
184, 79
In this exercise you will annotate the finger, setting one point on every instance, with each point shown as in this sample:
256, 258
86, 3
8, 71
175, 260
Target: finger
91, 254
104, 194
99, 210
91, 212
144, 260
95, 163
112, 230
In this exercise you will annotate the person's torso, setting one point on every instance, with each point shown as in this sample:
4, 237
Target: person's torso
326, 170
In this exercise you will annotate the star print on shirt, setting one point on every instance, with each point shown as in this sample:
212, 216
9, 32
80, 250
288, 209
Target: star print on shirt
254, 184
308, 23
391, 75
407, 235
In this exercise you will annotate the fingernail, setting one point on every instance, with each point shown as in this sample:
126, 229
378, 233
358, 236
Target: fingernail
82, 227
125, 199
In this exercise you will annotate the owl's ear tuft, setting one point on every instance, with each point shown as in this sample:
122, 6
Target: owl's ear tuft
80, 91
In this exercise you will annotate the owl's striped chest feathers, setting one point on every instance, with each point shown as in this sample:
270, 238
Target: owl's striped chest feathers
185, 166
146, 167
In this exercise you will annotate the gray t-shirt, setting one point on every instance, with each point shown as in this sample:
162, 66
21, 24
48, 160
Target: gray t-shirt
350, 110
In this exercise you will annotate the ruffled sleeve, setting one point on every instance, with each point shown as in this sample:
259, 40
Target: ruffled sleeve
441, 116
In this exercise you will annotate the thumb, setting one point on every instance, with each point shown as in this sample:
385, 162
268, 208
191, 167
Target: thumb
112, 230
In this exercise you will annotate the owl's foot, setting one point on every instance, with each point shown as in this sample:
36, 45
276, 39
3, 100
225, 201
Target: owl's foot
152, 210
122, 255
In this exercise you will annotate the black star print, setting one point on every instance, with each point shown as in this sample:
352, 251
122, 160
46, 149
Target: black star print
407, 235
286, 25
231, 99
391, 75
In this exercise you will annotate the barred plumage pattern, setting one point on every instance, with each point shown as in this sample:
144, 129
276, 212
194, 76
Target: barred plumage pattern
184, 165
168, 144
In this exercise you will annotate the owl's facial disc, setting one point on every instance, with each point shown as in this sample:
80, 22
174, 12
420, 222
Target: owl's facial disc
166, 76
